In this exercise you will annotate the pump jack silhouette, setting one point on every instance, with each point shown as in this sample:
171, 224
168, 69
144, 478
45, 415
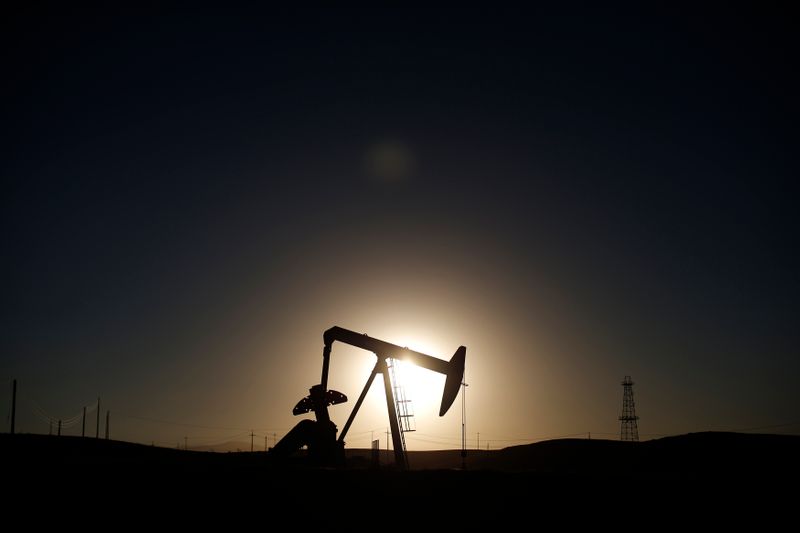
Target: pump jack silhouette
320, 435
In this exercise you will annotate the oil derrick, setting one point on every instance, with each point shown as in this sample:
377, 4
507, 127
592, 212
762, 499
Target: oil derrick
629, 430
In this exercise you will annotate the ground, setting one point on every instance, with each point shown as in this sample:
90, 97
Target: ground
719, 476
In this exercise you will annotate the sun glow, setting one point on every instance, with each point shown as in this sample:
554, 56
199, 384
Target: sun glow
421, 387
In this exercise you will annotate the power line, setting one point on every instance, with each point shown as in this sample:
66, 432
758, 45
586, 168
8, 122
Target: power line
200, 426
219, 440
47, 417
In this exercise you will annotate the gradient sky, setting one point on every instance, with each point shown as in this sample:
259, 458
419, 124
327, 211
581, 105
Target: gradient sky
191, 199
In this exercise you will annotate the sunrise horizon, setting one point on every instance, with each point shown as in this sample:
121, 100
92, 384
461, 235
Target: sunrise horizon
463, 264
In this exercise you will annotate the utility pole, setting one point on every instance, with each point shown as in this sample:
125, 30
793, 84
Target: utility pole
59, 428
251, 440
463, 425
108, 415
185, 443
83, 424
274, 439
51, 426
97, 429
265, 443
479, 441
387, 439
13, 406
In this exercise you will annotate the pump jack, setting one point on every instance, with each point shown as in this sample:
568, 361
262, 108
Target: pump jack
320, 435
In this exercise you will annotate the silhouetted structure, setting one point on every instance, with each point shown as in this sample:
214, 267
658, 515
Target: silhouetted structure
405, 415
13, 406
320, 435
376, 454
629, 430
464, 386
97, 426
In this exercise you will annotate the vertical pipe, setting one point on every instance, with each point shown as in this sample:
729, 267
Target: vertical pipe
326, 358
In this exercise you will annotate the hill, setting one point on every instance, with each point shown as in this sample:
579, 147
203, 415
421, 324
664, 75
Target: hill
664, 476
691, 455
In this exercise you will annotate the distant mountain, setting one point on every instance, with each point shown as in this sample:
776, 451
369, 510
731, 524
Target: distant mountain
230, 446
694, 454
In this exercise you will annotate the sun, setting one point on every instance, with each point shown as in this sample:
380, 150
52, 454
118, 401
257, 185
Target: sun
422, 389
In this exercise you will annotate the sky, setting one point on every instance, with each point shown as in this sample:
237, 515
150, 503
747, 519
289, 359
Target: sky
191, 198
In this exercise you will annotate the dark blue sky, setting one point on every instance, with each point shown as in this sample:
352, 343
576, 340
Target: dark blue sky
611, 190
